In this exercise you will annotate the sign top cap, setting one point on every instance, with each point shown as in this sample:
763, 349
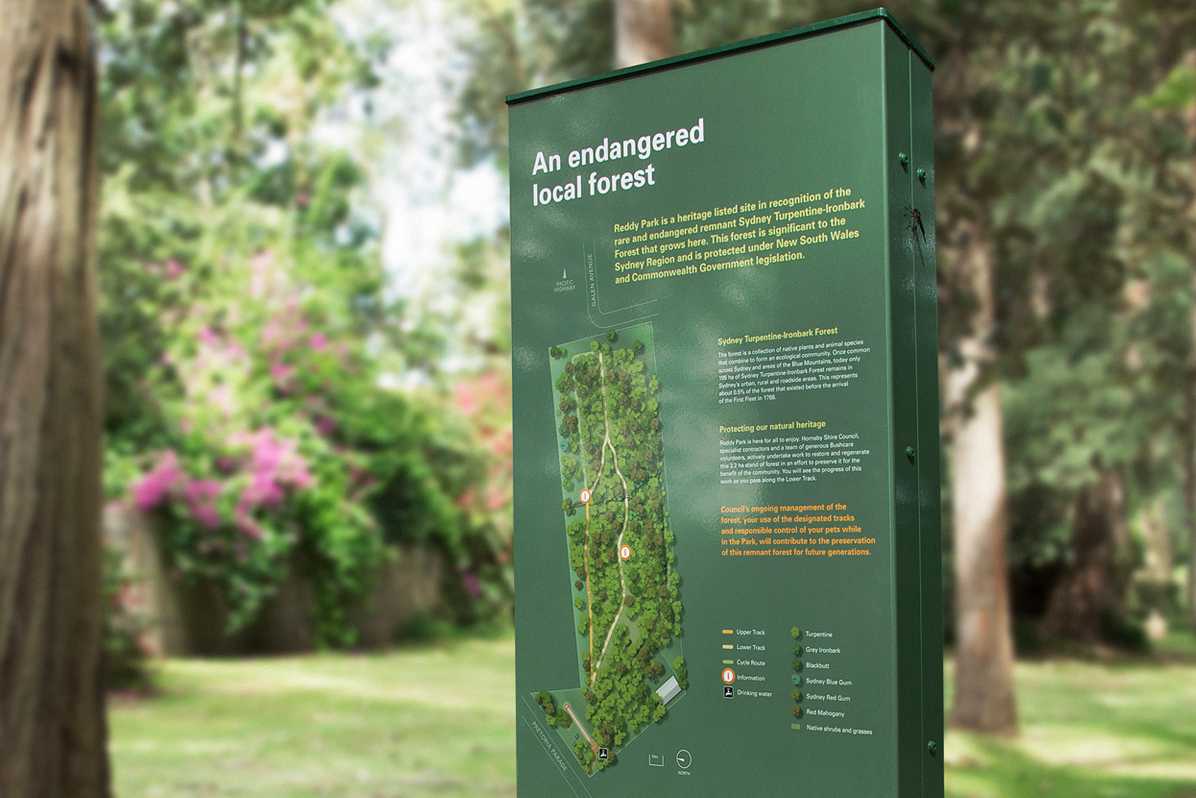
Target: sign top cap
847, 21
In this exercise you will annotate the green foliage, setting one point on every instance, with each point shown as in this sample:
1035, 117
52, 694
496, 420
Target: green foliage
512, 45
1176, 91
248, 338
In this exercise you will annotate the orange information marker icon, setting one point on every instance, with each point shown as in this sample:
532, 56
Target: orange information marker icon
585, 496
624, 552
728, 676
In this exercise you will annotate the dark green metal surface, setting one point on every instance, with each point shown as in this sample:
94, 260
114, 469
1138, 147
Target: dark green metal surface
839, 103
858, 18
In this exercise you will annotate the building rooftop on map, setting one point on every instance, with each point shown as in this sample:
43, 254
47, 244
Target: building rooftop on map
669, 690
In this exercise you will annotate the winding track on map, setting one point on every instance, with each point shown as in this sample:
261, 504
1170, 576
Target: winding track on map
596, 665
581, 728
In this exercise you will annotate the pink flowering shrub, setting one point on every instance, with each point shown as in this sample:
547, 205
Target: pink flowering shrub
279, 449
233, 516
201, 502
155, 488
485, 401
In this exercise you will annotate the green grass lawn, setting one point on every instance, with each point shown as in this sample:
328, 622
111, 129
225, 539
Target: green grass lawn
434, 721
1088, 731
439, 721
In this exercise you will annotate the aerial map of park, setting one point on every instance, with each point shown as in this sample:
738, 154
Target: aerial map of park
622, 568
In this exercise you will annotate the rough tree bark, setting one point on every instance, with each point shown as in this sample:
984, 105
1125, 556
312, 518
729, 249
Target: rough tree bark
643, 31
1093, 588
52, 727
1190, 449
984, 693
1160, 551
1190, 392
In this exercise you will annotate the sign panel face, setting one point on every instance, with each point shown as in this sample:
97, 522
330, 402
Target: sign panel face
726, 445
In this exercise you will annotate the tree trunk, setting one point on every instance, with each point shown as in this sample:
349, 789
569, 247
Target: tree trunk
1092, 589
1190, 451
984, 693
1190, 393
643, 31
52, 727
1160, 550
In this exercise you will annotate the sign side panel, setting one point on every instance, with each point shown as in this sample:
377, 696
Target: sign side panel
903, 409
929, 446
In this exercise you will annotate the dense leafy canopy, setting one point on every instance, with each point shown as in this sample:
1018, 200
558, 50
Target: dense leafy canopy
249, 340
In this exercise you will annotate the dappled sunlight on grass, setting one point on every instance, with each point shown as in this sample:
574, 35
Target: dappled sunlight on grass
427, 721
1089, 730
439, 721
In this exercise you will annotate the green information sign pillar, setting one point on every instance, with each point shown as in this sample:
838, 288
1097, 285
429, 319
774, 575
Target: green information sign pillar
727, 532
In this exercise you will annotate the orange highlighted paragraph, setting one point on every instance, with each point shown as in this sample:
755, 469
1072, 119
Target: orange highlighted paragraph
816, 531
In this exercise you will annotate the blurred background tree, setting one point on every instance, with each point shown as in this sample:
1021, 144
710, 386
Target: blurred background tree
51, 696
